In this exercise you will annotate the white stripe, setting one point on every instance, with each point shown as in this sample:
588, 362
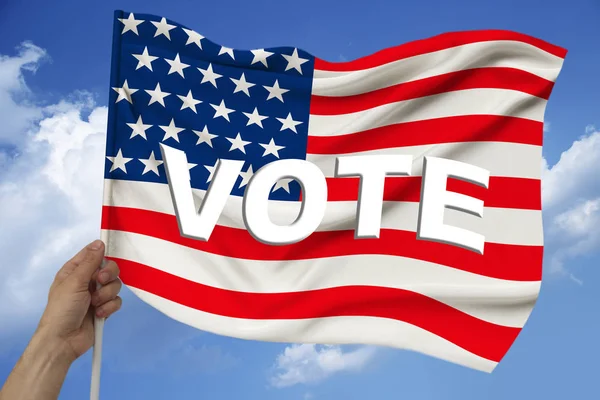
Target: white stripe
498, 225
499, 102
497, 301
509, 54
332, 330
499, 158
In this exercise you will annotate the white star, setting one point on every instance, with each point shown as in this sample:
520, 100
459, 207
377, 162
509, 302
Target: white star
193, 37
144, 59
119, 162
222, 111
271, 148
162, 28
246, 176
241, 85
282, 184
238, 144
209, 75
189, 102
125, 92
289, 123
255, 118
260, 55
294, 61
171, 131
227, 50
150, 164
157, 95
139, 128
275, 91
204, 136
131, 24
211, 171
176, 66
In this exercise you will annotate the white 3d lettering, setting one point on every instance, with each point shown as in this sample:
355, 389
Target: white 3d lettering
372, 171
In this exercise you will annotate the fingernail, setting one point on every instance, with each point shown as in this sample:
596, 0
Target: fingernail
103, 277
95, 245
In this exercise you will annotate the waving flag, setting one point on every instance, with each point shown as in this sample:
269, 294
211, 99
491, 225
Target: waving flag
477, 97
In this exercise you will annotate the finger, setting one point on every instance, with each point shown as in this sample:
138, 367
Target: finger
90, 261
106, 293
108, 309
108, 273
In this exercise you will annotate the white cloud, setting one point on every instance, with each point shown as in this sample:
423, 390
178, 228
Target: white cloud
546, 126
575, 175
50, 186
571, 203
576, 232
51, 202
309, 363
590, 129
580, 220
17, 112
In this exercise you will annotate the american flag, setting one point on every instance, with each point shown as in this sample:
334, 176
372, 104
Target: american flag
478, 97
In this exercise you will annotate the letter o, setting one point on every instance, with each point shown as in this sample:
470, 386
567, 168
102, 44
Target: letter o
256, 201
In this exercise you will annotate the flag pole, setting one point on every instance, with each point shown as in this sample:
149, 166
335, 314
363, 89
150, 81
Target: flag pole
97, 358
97, 352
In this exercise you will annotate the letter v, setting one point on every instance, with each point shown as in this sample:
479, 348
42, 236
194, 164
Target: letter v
192, 224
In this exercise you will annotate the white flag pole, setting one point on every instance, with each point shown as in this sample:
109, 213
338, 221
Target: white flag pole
97, 358
97, 352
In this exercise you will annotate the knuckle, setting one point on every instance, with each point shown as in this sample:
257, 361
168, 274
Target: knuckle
59, 276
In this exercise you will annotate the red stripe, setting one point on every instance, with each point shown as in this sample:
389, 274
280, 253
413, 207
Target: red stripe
501, 193
466, 128
512, 262
482, 338
480, 78
436, 43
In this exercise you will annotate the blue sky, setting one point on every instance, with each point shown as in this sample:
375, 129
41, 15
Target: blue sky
54, 74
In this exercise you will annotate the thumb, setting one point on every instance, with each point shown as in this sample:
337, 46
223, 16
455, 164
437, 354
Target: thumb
89, 260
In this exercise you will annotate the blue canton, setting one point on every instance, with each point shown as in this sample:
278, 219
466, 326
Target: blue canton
171, 85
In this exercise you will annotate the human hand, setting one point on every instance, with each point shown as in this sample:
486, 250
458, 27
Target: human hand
66, 329
73, 299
